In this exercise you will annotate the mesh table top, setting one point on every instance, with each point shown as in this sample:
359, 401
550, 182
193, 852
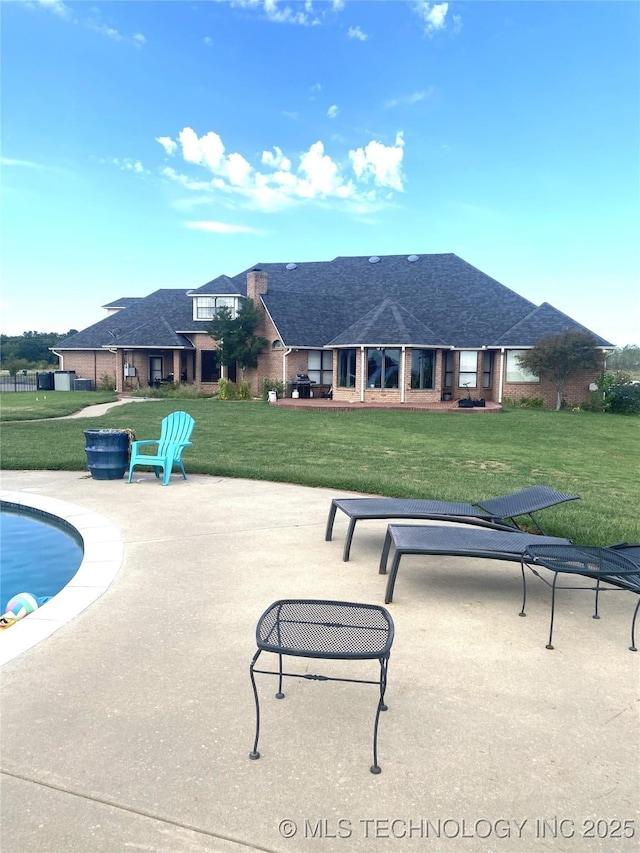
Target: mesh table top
325, 629
620, 568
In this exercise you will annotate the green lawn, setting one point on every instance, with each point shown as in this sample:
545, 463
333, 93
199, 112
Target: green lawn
405, 454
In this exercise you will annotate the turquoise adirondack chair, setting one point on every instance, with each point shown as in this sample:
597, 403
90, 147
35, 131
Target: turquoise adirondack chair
174, 438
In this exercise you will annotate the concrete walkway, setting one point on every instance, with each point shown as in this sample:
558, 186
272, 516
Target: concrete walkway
130, 727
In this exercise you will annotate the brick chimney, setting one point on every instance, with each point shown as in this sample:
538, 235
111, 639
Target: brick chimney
257, 282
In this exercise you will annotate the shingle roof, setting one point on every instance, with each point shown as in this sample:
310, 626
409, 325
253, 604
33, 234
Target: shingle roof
387, 324
545, 320
151, 321
431, 300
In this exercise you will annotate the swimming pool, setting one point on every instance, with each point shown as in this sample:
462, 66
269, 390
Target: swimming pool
39, 555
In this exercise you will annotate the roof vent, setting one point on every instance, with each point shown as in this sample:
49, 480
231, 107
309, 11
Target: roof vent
413, 258
374, 259
291, 266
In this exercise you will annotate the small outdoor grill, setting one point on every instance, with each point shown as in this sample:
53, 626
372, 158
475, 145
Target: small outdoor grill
302, 384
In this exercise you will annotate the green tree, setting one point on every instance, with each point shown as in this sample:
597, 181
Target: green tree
30, 348
625, 358
557, 356
236, 336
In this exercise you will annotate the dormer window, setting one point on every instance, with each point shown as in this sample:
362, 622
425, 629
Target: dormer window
207, 307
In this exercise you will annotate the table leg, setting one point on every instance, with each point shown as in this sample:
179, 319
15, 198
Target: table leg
384, 664
254, 754
553, 608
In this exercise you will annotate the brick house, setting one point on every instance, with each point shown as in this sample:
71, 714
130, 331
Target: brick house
392, 329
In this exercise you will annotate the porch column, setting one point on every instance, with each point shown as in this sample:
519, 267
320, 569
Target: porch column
501, 379
119, 371
176, 365
362, 374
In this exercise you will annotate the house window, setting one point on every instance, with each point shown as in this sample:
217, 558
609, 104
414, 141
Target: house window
516, 373
448, 369
155, 368
383, 368
422, 364
206, 307
209, 365
320, 366
347, 368
487, 368
468, 374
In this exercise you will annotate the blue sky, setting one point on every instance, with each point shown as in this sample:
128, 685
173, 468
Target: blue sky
161, 144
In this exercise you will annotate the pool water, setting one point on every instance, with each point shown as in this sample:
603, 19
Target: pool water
37, 555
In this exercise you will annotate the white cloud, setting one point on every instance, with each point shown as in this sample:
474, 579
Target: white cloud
220, 227
367, 178
208, 150
357, 33
93, 22
168, 144
128, 165
310, 13
105, 30
380, 162
208, 41
333, 111
27, 164
434, 16
413, 98
56, 6
276, 160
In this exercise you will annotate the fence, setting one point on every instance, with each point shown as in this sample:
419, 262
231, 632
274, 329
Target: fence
23, 380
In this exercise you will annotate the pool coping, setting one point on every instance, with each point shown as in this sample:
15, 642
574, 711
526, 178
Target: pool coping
102, 560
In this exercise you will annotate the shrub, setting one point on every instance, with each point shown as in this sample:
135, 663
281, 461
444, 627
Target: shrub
107, 383
273, 385
181, 390
531, 403
618, 394
234, 391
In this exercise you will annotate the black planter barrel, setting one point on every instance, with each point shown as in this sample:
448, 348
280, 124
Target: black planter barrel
107, 453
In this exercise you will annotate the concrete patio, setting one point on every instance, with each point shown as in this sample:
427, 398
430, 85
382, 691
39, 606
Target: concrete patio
130, 727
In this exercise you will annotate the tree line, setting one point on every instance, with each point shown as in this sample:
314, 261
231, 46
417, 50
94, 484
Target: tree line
30, 350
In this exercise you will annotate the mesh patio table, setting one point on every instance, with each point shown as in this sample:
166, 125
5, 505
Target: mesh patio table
336, 630
618, 566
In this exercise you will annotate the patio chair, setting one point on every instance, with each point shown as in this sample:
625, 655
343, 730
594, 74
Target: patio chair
499, 513
174, 438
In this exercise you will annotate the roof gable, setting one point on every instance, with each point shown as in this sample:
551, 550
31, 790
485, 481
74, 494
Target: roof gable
545, 320
388, 323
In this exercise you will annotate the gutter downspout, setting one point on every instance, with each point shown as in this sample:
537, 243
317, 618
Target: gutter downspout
285, 355
501, 375
361, 374
59, 356
403, 372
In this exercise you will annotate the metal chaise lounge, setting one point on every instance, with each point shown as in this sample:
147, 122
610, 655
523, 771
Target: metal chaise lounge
615, 565
454, 541
498, 513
